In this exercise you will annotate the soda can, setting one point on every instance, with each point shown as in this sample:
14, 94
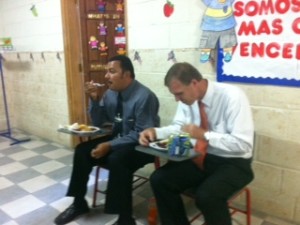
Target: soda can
173, 145
184, 144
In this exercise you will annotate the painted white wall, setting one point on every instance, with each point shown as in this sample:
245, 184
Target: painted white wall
150, 29
30, 33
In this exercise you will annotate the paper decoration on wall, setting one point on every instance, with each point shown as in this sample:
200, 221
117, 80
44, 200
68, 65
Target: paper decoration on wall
93, 43
120, 29
103, 49
34, 11
120, 38
137, 57
6, 43
101, 6
31, 56
119, 6
43, 56
120, 41
168, 8
171, 56
218, 24
121, 51
102, 29
58, 56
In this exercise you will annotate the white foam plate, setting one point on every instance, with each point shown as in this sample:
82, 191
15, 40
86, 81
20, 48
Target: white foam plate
156, 146
94, 129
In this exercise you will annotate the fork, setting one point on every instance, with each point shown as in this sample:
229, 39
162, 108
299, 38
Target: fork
98, 84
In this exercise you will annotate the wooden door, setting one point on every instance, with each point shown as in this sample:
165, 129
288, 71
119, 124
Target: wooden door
82, 64
103, 36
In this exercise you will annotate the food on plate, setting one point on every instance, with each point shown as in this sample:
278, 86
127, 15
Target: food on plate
82, 127
163, 143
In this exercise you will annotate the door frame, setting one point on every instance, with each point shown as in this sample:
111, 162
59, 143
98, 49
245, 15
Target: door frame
73, 61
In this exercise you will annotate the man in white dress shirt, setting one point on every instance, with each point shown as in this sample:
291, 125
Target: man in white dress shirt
227, 165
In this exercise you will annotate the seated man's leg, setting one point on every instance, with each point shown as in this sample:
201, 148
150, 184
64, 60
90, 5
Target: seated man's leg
224, 176
122, 163
168, 182
82, 167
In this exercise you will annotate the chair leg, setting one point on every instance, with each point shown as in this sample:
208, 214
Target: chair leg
96, 186
247, 211
156, 163
248, 205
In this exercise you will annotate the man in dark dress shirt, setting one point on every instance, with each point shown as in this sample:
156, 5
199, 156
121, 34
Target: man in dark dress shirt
116, 152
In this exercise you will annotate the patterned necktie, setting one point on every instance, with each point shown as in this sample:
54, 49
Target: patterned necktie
201, 144
117, 130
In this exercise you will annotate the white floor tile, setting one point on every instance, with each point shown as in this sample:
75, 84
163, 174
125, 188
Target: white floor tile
37, 183
49, 166
62, 203
57, 153
22, 206
33, 144
4, 183
11, 168
22, 155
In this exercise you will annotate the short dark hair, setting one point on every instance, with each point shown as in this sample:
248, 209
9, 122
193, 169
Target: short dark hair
125, 63
184, 72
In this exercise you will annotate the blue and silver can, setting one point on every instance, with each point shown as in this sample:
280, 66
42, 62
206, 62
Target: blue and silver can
184, 144
174, 145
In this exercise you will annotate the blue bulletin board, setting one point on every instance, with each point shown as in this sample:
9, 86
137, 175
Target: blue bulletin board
268, 44
223, 77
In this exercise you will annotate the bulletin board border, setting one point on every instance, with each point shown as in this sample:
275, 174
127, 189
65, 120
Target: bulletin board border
222, 77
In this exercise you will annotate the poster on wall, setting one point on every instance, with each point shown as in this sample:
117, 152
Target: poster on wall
268, 44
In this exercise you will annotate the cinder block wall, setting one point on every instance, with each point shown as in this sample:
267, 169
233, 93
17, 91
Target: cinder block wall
37, 94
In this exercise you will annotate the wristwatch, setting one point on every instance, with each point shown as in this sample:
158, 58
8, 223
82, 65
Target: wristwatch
206, 135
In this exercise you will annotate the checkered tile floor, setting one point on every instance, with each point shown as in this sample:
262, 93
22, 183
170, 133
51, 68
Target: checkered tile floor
33, 180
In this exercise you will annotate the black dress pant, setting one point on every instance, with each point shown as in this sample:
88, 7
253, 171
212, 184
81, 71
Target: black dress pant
121, 163
220, 179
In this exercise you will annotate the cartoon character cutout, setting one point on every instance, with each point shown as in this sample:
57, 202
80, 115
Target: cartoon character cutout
101, 6
120, 29
102, 29
121, 51
119, 6
103, 49
93, 43
218, 24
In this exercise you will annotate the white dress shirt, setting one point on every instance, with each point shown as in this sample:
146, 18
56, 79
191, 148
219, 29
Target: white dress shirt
229, 117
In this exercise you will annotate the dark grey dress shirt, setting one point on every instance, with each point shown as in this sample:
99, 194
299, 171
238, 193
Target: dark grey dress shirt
140, 111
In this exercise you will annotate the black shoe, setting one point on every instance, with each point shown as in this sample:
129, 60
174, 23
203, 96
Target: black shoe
70, 214
131, 222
